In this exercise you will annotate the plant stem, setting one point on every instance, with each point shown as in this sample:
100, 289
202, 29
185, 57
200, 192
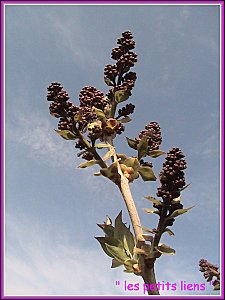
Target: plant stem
147, 266
129, 201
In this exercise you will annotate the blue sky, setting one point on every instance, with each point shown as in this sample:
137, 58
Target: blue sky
51, 207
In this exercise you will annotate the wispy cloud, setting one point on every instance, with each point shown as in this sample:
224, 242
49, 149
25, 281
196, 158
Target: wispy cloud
36, 133
39, 266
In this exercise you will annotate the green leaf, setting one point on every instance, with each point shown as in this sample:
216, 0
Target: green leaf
121, 96
101, 146
117, 253
169, 231
66, 134
153, 200
116, 263
88, 164
108, 81
132, 143
125, 120
99, 113
132, 162
110, 241
179, 212
121, 157
109, 154
108, 229
147, 174
142, 147
146, 229
123, 233
156, 153
151, 211
164, 249
110, 171
120, 227
128, 264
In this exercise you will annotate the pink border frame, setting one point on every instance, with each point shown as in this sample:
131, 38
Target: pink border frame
3, 3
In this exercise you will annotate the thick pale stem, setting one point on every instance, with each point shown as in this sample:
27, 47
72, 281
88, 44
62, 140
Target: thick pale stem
129, 201
147, 266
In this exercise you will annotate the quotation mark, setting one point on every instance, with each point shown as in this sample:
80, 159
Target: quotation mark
117, 282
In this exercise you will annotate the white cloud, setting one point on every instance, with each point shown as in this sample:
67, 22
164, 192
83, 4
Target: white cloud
40, 266
37, 134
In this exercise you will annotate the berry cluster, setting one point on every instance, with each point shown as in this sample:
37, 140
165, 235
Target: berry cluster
126, 110
153, 133
125, 59
89, 96
172, 176
209, 271
60, 106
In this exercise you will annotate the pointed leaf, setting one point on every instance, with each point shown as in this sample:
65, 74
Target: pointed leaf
179, 212
108, 81
142, 147
121, 96
121, 157
151, 211
88, 164
120, 227
108, 229
116, 263
125, 120
132, 162
106, 241
156, 153
130, 262
146, 229
101, 146
99, 113
117, 252
109, 154
132, 143
147, 174
164, 249
153, 200
169, 231
66, 134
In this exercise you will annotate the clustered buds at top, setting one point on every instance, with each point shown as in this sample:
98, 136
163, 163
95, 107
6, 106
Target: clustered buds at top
125, 59
209, 271
153, 133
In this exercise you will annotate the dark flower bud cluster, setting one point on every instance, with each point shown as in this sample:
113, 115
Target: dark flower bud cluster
126, 110
111, 72
209, 271
60, 106
87, 155
89, 96
153, 133
125, 59
172, 177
